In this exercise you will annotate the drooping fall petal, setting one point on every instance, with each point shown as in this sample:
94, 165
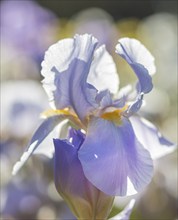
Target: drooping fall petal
113, 159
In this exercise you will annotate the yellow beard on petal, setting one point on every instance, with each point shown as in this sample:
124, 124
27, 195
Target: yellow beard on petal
52, 112
67, 113
114, 116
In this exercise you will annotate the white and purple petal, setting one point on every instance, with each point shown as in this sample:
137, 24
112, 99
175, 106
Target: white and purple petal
142, 62
65, 68
132, 51
135, 52
113, 159
46, 147
41, 133
151, 138
103, 73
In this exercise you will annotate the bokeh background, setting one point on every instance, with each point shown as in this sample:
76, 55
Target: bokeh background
28, 28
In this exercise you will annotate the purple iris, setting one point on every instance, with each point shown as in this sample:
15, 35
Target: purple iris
82, 85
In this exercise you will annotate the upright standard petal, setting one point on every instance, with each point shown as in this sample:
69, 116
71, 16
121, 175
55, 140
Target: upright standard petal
142, 62
41, 133
151, 138
103, 73
84, 199
113, 159
135, 52
65, 68
137, 55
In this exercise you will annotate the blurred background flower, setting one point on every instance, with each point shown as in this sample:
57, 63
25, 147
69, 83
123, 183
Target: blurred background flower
96, 21
28, 28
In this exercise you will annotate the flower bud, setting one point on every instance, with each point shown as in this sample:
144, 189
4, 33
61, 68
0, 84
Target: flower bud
84, 199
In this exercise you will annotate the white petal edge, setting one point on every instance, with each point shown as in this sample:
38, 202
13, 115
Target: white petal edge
136, 52
41, 133
149, 136
46, 148
64, 51
60, 55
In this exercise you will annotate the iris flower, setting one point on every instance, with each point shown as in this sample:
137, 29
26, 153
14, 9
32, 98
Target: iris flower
116, 147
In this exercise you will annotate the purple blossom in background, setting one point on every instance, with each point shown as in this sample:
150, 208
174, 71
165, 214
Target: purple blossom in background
27, 26
107, 147
23, 101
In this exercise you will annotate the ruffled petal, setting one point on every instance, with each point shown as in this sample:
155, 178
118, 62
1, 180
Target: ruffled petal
135, 52
103, 73
142, 62
151, 138
113, 159
125, 214
41, 133
65, 68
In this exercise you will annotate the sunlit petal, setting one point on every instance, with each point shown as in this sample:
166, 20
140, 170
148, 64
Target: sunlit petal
131, 50
46, 147
65, 68
103, 73
142, 62
41, 133
135, 52
116, 151
151, 138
